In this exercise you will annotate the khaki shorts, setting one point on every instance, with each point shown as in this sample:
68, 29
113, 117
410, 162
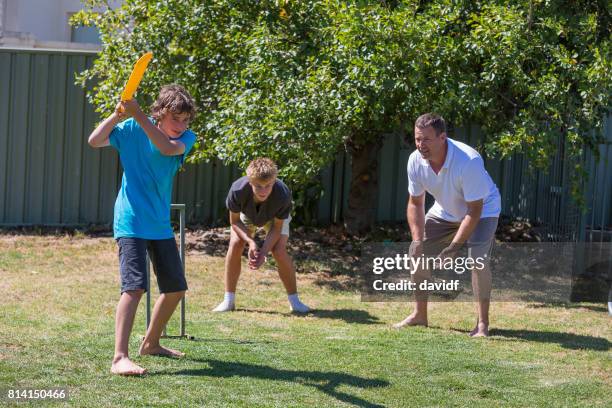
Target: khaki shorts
266, 227
439, 233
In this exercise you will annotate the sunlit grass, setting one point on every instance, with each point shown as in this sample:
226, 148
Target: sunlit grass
57, 326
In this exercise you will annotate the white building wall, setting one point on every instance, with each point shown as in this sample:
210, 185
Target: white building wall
1, 17
39, 23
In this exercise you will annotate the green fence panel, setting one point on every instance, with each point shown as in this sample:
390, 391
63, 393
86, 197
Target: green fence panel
55, 139
49, 175
5, 104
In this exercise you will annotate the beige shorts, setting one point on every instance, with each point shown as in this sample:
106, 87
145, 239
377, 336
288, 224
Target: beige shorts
439, 233
266, 227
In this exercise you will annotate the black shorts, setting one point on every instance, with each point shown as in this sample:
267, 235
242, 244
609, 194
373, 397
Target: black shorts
166, 264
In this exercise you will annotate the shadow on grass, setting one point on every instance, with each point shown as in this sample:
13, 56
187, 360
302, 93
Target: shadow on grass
232, 341
594, 308
348, 315
565, 340
326, 382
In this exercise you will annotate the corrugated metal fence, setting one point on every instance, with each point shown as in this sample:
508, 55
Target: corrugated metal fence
47, 172
49, 175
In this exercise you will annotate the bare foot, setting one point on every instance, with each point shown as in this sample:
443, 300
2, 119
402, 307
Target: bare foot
124, 366
412, 320
481, 330
159, 351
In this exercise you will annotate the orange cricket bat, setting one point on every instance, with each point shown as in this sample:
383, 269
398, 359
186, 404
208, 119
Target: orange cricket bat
135, 77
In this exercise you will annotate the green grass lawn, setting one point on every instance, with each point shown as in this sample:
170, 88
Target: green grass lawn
58, 296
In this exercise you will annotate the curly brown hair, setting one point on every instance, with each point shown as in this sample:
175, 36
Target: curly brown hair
173, 98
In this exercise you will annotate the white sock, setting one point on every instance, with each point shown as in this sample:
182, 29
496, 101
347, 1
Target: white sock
229, 297
228, 303
296, 304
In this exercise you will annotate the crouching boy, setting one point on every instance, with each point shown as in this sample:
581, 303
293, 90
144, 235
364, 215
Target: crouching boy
259, 200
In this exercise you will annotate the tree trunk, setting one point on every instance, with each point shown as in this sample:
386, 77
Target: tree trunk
363, 194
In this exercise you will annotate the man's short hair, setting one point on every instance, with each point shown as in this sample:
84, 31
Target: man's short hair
431, 119
262, 169
175, 99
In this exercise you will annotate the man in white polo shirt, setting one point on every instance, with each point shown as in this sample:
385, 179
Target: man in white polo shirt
465, 212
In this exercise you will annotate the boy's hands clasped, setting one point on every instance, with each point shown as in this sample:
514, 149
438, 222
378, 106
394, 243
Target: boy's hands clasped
256, 256
125, 109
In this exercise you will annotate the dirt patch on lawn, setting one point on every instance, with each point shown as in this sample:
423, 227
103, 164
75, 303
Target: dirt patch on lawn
327, 255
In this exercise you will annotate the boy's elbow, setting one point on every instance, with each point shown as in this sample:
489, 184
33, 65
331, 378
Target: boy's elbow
96, 142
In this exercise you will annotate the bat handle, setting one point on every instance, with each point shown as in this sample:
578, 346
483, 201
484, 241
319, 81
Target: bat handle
121, 109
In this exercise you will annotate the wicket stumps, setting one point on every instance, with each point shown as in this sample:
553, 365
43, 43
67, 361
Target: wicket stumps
181, 209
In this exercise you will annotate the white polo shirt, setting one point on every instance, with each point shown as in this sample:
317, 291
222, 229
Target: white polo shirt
461, 179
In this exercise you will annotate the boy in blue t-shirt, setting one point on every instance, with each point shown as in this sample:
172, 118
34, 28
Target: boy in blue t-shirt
151, 152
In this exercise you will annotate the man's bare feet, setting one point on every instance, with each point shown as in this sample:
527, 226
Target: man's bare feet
147, 349
412, 320
125, 366
481, 330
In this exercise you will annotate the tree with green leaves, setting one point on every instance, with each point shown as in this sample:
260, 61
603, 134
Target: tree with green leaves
299, 80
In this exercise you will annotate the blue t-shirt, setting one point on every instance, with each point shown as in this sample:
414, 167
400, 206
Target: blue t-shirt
142, 208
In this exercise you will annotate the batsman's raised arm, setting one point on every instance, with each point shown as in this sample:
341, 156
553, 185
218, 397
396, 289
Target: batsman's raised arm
166, 145
99, 137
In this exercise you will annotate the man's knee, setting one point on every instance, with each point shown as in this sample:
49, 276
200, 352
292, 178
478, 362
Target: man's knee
421, 274
483, 272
